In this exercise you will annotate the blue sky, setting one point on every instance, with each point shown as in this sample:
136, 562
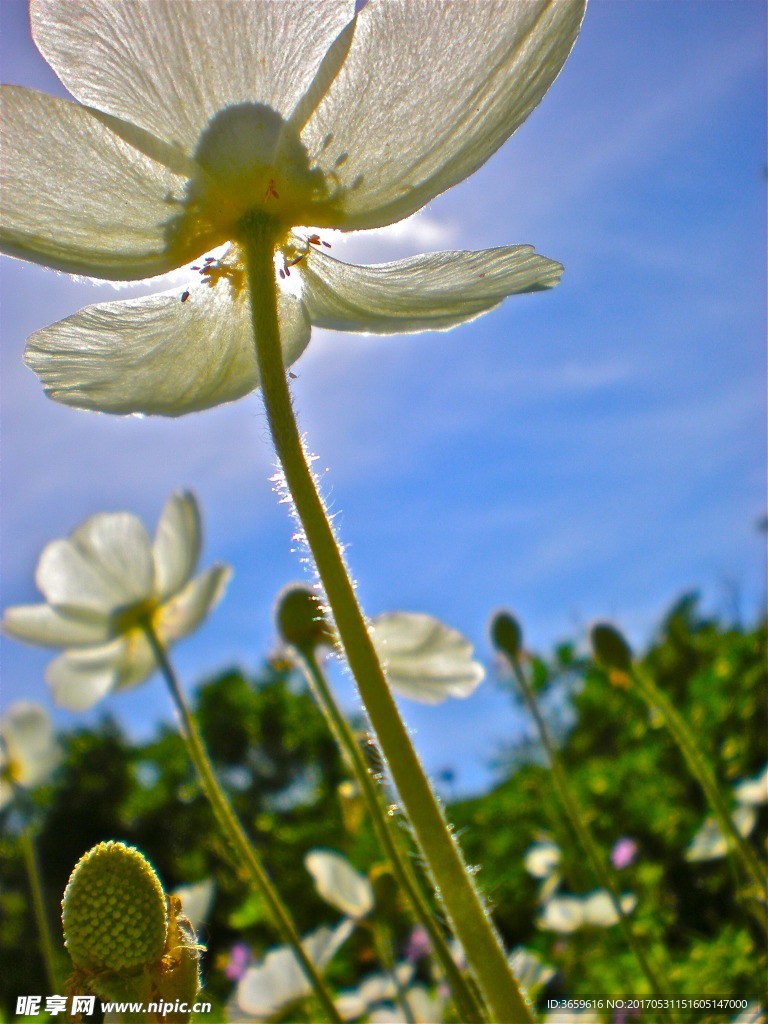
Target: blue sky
585, 453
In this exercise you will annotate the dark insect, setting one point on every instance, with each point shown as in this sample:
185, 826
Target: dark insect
184, 296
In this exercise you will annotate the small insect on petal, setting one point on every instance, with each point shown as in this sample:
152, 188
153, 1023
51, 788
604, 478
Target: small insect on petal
184, 296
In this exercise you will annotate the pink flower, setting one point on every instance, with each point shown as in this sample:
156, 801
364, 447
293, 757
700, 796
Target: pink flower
623, 853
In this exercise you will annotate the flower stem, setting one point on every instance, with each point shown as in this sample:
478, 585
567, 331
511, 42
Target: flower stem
573, 812
700, 769
233, 830
453, 882
389, 839
38, 902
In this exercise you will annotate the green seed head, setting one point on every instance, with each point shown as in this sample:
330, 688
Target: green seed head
114, 910
610, 648
300, 619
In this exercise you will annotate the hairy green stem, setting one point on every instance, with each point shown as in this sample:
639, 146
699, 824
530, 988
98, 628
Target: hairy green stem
700, 769
41, 917
234, 832
464, 907
388, 835
573, 812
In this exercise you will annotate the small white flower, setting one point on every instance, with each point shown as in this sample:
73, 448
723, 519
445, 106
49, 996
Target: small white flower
194, 117
567, 914
102, 584
709, 843
543, 859
424, 659
531, 972
279, 979
29, 750
423, 1007
339, 884
753, 792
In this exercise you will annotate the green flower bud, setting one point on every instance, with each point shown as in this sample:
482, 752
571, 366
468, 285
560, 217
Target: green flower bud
300, 619
610, 648
506, 634
114, 910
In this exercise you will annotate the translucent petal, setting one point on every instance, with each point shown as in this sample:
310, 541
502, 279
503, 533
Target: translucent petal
339, 884
428, 92
105, 565
54, 627
31, 745
169, 67
159, 354
422, 293
81, 678
184, 612
84, 193
424, 659
178, 539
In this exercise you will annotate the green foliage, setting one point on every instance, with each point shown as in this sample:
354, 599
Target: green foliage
631, 780
272, 749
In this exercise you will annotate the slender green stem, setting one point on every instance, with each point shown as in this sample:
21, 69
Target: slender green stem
389, 838
659, 985
41, 917
699, 766
462, 902
233, 830
383, 943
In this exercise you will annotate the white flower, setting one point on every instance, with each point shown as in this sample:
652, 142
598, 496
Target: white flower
279, 979
709, 843
196, 901
753, 792
102, 584
423, 1008
375, 988
543, 859
194, 117
531, 972
567, 914
424, 659
339, 884
29, 750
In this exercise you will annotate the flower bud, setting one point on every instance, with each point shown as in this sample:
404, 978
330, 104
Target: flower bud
610, 649
506, 634
300, 619
114, 910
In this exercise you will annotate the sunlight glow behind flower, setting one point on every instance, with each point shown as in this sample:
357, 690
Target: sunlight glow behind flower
301, 112
102, 584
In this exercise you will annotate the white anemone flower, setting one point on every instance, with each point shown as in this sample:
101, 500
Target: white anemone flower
339, 884
753, 792
567, 914
102, 585
424, 659
194, 118
279, 980
29, 750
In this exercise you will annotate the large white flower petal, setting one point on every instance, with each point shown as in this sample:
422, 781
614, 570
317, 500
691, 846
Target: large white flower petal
170, 66
339, 884
158, 354
184, 612
428, 92
106, 564
54, 627
80, 679
709, 843
30, 743
178, 540
82, 192
196, 901
424, 659
422, 293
